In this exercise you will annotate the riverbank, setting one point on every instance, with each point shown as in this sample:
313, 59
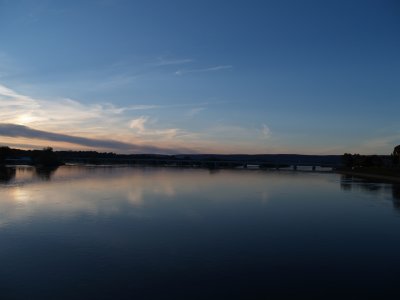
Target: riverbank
373, 173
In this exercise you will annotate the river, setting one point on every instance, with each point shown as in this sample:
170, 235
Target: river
172, 233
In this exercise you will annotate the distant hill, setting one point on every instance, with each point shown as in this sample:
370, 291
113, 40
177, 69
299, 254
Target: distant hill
109, 157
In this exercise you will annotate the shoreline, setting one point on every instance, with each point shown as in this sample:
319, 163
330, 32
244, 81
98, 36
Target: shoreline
393, 179
387, 178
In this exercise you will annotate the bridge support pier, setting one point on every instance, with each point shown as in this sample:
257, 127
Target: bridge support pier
294, 167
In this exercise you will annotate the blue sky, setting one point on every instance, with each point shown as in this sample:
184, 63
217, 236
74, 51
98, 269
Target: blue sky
318, 77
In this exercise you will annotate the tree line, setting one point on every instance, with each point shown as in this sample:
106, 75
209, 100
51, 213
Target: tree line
356, 160
45, 157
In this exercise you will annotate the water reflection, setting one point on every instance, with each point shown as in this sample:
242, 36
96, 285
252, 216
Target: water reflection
7, 174
152, 233
25, 174
376, 188
45, 173
73, 190
396, 196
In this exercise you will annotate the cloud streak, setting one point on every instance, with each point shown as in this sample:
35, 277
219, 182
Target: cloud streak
69, 124
195, 111
211, 69
13, 130
139, 126
168, 62
76, 118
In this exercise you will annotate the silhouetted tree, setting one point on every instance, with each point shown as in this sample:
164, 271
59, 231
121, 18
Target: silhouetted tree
4, 153
372, 161
47, 158
357, 160
396, 155
348, 160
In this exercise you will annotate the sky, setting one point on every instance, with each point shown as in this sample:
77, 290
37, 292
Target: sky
155, 76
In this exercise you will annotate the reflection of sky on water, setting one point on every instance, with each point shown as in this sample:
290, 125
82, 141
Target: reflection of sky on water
100, 191
93, 231
376, 189
110, 190
97, 190
75, 190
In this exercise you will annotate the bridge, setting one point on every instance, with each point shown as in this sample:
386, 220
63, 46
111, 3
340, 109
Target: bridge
206, 163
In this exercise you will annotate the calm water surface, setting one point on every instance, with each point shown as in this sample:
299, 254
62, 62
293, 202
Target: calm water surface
164, 233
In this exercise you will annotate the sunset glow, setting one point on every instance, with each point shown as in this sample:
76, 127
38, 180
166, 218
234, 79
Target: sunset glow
307, 82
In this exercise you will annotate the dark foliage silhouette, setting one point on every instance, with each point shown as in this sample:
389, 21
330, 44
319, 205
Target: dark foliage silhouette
47, 158
357, 160
396, 155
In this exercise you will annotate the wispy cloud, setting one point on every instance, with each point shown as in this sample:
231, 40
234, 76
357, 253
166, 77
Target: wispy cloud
62, 113
138, 124
130, 71
65, 113
97, 121
195, 111
168, 62
211, 69
141, 129
265, 131
32, 121
9, 93
116, 81
143, 107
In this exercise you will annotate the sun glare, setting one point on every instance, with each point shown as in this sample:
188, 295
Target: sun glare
25, 119
21, 195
